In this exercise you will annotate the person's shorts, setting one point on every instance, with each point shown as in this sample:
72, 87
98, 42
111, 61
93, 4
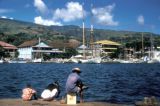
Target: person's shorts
76, 90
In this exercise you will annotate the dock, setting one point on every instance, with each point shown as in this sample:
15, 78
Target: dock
20, 102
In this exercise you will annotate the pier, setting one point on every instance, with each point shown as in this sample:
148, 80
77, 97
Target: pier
20, 102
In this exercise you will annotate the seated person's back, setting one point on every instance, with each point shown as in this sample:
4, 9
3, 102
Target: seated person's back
51, 91
71, 84
28, 93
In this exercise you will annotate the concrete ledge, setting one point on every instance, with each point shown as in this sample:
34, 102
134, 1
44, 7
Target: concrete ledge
20, 102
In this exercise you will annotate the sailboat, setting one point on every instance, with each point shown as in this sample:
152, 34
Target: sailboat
92, 58
154, 56
1, 61
83, 58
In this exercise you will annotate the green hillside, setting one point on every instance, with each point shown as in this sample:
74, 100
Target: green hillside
16, 32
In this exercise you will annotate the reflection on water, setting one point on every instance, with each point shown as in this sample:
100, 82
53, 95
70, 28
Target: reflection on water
117, 83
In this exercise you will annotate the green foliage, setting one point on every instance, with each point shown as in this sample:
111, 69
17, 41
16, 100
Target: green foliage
46, 57
71, 52
16, 54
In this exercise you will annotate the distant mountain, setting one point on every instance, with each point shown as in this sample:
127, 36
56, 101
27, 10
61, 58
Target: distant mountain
16, 32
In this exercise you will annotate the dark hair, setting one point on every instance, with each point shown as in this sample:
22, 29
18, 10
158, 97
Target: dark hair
75, 71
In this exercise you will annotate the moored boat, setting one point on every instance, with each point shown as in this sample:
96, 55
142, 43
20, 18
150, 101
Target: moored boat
1, 61
91, 60
39, 60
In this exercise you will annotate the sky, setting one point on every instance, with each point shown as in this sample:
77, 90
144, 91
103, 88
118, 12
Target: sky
128, 15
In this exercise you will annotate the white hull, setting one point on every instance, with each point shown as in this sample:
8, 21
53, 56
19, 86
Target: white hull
1, 61
92, 60
125, 61
37, 60
75, 59
17, 61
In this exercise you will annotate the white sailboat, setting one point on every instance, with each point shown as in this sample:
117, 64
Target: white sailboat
75, 59
37, 60
85, 59
1, 61
154, 56
92, 58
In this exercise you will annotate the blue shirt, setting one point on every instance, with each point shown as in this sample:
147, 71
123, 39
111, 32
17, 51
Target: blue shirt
72, 80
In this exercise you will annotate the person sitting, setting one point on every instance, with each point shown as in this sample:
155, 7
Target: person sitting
51, 91
74, 83
29, 93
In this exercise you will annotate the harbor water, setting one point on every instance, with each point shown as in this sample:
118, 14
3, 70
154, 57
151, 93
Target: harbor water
114, 83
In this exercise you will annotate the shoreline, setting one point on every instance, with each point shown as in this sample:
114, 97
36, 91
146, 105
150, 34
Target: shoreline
20, 102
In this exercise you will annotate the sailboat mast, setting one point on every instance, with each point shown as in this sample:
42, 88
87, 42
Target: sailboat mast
84, 55
152, 46
91, 33
142, 45
83, 35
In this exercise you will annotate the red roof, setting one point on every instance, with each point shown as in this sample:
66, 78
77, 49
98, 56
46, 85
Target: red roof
7, 46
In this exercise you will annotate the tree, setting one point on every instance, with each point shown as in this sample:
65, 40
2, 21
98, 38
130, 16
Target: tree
46, 57
16, 54
71, 52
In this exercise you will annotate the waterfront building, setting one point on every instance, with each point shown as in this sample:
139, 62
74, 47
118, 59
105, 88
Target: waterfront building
8, 48
33, 49
106, 47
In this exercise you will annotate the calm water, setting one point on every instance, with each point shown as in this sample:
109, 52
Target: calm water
116, 83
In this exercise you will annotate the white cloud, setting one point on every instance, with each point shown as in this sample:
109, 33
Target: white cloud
11, 18
3, 17
72, 12
104, 15
47, 22
140, 19
43, 9
5, 10
41, 6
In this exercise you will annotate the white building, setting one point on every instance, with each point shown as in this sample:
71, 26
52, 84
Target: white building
34, 49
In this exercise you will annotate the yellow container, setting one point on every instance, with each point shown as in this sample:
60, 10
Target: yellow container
71, 99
